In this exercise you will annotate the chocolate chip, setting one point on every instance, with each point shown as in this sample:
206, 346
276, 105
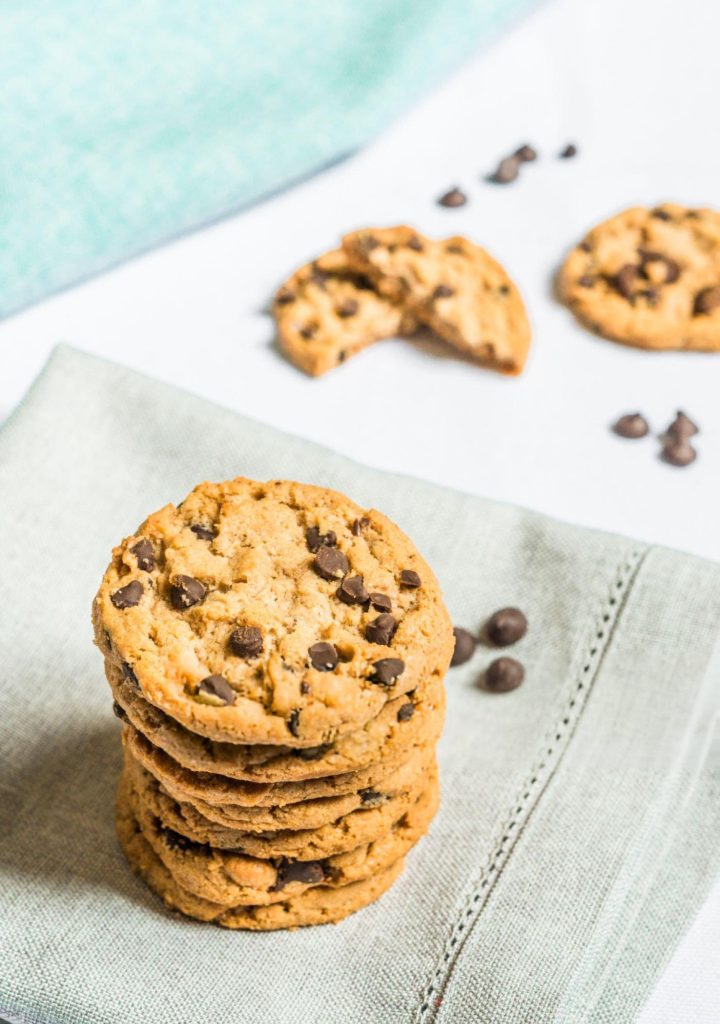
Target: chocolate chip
186, 592
203, 532
128, 596
145, 555
330, 563
371, 797
526, 154
678, 453
659, 214
569, 152
586, 281
312, 753
625, 279
381, 630
387, 671
380, 602
319, 277
175, 841
368, 242
323, 656
359, 525
352, 591
219, 687
342, 355
503, 675
631, 425
682, 427
130, 675
307, 332
706, 301
406, 712
465, 644
316, 540
284, 296
443, 291
348, 308
119, 712
293, 722
454, 248
658, 268
246, 641
455, 197
304, 687
506, 626
409, 578
507, 171
585, 246
309, 872
415, 244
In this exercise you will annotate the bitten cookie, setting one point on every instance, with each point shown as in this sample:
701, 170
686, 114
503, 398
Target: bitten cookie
327, 312
272, 613
649, 278
452, 286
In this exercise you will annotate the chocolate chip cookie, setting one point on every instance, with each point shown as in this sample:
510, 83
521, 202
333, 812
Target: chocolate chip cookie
452, 286
250, 613
327, 312
649, 277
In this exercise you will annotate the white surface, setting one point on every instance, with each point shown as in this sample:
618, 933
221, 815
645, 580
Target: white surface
635, 85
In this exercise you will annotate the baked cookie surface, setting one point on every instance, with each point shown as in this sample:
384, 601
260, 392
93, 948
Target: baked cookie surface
649, 277
326, 312
270, 613
452, 286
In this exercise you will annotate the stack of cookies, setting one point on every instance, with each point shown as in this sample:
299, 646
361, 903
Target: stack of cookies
276, 655
385, 282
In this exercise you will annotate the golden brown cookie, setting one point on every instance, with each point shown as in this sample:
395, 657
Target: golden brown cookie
271, 613
327, 312
229, 878
649, 278
321, 905
452, 286
357, 828
404, 725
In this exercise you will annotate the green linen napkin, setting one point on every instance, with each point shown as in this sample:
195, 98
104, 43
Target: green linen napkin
125, 124
578, 827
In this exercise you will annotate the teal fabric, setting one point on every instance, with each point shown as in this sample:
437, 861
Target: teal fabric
125, 123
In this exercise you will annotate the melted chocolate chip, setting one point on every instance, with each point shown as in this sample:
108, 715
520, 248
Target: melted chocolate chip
219, 687
130, 675
119, 712
203, 532
186, 592
145, 555
586, 281
443, 291
406, 712
625, 279
381, 630
307, 332
455, 197
348, 308
506, 626
415, 244
387, 671
175, 841
503, 675
330, 563
371, 797
526, 154
316, 540
293, 722
585, 246
631, 425
380, 602
284, 296
127, 596
465, 644
359, 525
323, 656
706, 301
568, 152
309, 872
246, 641
352, 591
682, 427
312, 753
410, 579
368, 242
658, 268
660, 214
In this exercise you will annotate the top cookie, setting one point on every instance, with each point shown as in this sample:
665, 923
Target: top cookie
274, 613
453, 286
327, 312
650, 278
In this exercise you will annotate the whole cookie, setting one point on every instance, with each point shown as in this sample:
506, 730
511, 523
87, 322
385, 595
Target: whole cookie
649, 278
308, 808
249, 613
327, 312
354, 829
321, 905
271, 774
452, 286
230, 878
